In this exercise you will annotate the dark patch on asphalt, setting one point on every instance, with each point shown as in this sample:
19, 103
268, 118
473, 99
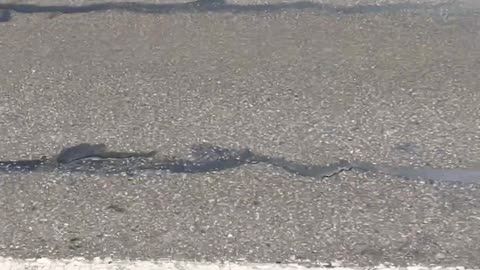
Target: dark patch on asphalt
206, 158
117, 208
210, 158
86, 150
75, 243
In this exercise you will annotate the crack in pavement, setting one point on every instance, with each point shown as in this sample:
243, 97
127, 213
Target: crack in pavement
219, 6
96, 159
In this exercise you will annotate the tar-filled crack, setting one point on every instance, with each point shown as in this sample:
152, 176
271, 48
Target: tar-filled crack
96, 159
218, 6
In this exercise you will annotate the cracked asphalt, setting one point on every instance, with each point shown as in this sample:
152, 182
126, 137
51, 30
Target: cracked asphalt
315, 87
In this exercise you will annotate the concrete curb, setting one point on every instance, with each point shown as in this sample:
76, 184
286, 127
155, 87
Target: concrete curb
109, 264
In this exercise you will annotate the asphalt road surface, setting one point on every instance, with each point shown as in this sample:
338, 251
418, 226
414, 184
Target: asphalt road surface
393, 83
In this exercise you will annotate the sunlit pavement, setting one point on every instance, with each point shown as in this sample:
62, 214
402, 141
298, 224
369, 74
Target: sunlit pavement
394, 83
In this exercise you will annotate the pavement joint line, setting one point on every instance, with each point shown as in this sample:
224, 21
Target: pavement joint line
9, 263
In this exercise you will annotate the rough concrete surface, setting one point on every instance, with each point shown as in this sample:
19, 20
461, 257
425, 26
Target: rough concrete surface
109, 264
394, 87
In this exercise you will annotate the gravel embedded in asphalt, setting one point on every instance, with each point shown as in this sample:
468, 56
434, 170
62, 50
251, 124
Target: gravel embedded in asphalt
398, 88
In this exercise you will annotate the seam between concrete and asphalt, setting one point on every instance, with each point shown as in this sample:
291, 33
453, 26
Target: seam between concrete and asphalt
107, 264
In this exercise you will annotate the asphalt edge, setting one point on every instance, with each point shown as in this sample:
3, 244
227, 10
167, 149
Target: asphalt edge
9, 263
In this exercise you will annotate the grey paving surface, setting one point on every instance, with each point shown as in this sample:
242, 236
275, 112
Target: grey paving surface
399, 88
